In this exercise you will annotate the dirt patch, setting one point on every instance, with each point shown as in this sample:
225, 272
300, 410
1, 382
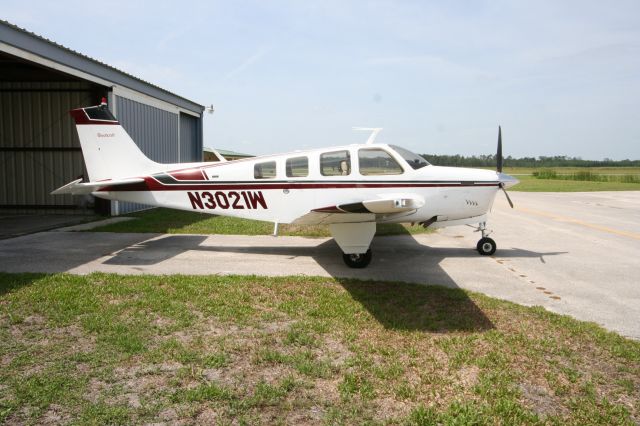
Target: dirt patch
162, 322
277, 326
6, 359
33, 332
210, 328
133, 400
137, 382
327, 389
243, 372
181, 336
34, 320
168, 415
212, 374
390, 408
80, 342
311, 416
95, 389
469, 376
541, 400
136, 370
334, 351
207, 416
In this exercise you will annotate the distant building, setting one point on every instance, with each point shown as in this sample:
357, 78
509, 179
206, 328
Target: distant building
40, 81
211, 154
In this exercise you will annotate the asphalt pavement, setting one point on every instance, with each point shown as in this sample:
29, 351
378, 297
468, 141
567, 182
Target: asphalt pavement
573, 253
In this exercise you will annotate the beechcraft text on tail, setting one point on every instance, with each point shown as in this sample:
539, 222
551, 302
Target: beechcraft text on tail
350, 188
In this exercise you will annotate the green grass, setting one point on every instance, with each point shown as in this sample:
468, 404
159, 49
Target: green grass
529, 183
169, 221
586, 175
576, 179
110, 349
572, 170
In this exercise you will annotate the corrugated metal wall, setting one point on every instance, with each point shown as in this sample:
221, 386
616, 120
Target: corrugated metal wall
39, 148
190, 149
154, 130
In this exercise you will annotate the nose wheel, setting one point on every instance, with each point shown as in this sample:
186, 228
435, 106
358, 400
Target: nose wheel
357, 260
486, 246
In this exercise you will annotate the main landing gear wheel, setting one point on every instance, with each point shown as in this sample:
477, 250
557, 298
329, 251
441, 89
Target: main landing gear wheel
486, 246
357, 260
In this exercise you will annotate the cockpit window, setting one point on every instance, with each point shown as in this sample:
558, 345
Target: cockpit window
374, 161
265, 170
336, 163
297, 167
414, 160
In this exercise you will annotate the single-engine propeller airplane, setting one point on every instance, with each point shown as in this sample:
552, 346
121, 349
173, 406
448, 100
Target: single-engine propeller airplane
350, 188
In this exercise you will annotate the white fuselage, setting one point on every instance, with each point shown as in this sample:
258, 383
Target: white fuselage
350, 188
452, 195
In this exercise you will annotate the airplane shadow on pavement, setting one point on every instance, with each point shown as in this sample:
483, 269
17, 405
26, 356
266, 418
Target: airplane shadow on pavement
389, 289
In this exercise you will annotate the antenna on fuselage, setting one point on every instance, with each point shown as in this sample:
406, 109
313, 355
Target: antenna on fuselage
374, 133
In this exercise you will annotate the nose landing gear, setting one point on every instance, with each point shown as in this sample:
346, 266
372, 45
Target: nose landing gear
357, 260
486, 246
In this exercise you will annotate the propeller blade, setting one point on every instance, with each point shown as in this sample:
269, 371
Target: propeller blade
499, 153
506, 194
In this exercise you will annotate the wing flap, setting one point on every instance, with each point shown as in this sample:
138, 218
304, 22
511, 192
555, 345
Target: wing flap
364, 211
393, 205
318, 218
77, 187
390, 205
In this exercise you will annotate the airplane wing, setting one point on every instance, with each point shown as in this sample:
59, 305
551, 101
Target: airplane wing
363, 211
77, 187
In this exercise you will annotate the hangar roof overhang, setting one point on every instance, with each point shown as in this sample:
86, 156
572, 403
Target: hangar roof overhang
31, 47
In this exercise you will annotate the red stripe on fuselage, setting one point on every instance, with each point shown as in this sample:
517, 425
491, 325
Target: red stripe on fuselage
151, 184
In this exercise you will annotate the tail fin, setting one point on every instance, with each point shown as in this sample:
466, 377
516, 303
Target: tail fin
109, 152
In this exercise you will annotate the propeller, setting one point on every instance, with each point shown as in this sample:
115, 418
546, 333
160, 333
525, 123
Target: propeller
499, 165
506, 194
499, 153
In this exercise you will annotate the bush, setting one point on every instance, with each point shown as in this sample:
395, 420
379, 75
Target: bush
545, 174
586, 175
630, 179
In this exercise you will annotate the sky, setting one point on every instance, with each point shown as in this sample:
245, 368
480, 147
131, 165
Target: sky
560, 77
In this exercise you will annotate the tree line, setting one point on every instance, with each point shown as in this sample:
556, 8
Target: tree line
542, 161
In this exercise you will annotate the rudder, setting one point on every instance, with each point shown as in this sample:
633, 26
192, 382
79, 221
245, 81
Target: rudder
108, 150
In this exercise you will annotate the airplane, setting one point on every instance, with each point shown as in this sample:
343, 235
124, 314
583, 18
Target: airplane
350, 188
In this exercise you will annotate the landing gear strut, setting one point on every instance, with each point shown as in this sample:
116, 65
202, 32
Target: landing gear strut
357, 260
486, 246
354, 240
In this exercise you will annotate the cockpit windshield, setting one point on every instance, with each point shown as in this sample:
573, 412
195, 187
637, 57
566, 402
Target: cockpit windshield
414, 160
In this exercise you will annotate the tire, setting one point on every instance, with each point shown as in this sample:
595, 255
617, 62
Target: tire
486, 246
359, 260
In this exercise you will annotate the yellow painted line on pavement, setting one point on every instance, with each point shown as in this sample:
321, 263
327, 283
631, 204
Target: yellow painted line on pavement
559, 218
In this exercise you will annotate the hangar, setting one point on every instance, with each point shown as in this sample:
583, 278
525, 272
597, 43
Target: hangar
40, 81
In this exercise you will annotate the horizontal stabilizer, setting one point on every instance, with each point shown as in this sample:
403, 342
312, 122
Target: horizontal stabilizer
77, 187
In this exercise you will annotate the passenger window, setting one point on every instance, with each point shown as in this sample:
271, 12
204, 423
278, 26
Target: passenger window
377, 162
335, 163
265, 170
297, 167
